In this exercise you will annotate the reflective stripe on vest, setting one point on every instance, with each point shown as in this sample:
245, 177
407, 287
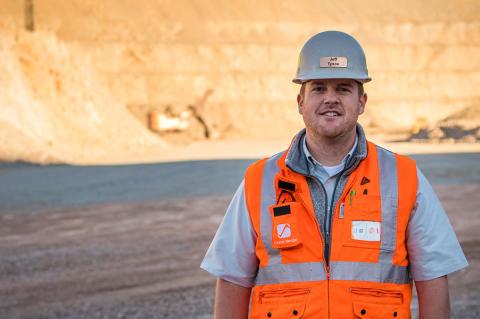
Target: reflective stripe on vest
383, 271
267, 198
281, 273
387, 166
340, 270
362, 271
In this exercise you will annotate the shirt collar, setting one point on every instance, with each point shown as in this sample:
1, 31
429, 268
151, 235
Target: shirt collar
297, 161
313, 161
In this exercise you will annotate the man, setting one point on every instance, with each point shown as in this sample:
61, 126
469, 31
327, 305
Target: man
335, 226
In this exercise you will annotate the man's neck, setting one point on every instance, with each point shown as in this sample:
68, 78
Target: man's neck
330, 151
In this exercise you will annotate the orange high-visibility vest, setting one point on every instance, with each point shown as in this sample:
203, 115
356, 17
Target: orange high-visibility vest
366, 275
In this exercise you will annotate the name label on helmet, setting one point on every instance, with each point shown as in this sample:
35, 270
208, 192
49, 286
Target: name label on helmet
333, 62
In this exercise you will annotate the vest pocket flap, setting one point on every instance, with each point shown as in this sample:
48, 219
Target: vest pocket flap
291, 310
293, 294
378, 296
376, 311
283, 303
365, 207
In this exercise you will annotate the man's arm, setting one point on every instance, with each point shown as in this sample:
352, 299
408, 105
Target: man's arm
433, 298
231, 300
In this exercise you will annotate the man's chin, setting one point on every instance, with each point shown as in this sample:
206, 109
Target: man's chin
327, 133
322, 133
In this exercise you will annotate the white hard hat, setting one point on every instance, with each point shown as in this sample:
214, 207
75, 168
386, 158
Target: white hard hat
332, 55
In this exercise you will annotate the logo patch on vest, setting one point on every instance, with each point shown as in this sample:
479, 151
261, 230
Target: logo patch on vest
366, 230
284, 230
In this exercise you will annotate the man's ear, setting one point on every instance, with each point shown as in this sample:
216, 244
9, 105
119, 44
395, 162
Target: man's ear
300, 103
363, 102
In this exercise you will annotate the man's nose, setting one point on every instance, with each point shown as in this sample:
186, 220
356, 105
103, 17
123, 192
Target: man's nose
330, 96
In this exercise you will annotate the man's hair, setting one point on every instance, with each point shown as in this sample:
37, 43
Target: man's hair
360, 89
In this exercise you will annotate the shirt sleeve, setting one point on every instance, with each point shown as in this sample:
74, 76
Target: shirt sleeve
433, 247
231, 255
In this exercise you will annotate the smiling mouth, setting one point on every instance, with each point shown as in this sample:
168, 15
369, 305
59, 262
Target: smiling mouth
330, 114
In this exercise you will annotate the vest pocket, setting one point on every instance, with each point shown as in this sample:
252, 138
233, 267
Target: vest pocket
285, 232
377, 295
373, 303
363, 221
283, 303
376, 311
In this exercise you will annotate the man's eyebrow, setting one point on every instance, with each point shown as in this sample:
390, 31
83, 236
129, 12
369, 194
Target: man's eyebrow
345, 84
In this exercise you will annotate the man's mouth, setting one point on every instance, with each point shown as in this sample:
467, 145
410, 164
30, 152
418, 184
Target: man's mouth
330, 113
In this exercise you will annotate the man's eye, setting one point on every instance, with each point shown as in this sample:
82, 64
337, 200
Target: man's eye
344, 89
319, 88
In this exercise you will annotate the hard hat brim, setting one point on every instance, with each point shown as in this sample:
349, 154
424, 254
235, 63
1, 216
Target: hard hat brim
300, 80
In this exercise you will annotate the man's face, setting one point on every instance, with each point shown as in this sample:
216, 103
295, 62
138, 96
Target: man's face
330, 108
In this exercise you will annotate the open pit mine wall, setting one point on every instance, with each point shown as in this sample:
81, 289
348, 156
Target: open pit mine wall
235, 59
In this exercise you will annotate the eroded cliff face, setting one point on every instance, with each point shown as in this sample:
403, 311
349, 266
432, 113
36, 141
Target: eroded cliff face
55, 107
85, 81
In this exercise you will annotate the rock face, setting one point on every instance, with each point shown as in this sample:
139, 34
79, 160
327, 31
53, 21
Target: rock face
55, 107
93, 70
461, 126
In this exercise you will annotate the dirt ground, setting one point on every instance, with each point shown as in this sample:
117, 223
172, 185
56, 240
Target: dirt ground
141, 260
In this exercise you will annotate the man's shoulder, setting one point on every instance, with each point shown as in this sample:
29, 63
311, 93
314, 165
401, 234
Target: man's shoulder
401, 157
257, 166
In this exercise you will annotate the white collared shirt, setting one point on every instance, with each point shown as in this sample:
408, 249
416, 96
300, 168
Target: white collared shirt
326, 174
322, 172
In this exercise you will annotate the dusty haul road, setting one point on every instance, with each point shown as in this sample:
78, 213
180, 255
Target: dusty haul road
127, 241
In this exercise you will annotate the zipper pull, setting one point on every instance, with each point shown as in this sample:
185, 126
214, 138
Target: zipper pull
341, 214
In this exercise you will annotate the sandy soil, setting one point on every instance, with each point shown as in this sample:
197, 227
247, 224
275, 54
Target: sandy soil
142, 260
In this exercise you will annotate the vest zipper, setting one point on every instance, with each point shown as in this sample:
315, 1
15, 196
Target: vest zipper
329, 217
328, 234
326, 242
328, 291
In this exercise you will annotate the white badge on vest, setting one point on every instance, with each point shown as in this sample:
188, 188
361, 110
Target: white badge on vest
366, 230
